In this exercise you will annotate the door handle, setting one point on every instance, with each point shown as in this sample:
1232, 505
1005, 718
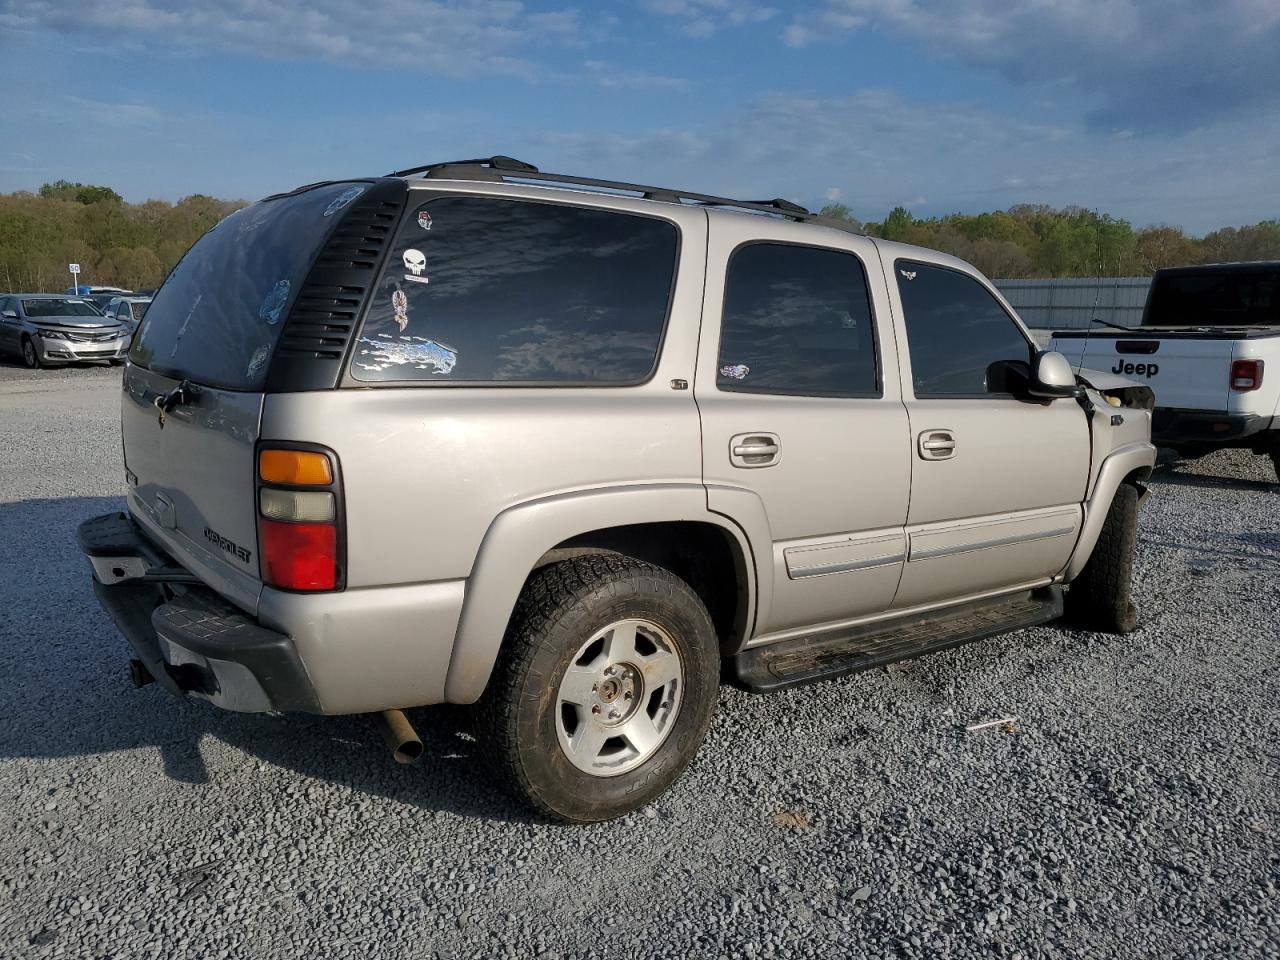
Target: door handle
937, 445
755, 450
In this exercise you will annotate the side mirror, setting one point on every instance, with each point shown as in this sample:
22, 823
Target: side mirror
11, 314
1052, 377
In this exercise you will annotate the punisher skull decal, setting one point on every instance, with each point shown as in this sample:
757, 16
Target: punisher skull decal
415, 262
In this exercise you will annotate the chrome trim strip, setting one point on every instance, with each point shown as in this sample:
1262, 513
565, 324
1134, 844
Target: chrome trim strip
844, 566
985, 544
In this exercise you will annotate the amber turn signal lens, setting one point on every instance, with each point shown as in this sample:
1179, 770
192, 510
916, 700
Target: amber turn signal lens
294, 466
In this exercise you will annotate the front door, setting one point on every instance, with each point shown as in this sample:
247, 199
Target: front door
997, 483
798, 391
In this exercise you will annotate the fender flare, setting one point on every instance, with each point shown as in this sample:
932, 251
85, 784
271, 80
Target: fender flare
1122, 463
520, 535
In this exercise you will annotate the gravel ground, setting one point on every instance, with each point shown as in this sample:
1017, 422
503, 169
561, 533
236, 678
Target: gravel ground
1131, 810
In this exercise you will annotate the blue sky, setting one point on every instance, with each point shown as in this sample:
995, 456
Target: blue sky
1161, 111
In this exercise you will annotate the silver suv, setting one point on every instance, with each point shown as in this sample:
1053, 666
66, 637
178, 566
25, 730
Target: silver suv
572, 450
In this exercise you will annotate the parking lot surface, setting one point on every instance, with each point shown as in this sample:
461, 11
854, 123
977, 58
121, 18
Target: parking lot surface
1132, 808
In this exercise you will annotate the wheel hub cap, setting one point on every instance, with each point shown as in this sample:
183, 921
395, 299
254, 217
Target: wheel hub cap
619, 698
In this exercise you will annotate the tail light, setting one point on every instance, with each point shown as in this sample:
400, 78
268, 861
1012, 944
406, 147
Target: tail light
300, 519
1246, 375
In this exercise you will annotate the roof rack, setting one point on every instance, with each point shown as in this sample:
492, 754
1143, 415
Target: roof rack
501, 169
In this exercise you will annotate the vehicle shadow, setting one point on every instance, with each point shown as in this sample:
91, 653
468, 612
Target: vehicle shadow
67, 693
1174, 477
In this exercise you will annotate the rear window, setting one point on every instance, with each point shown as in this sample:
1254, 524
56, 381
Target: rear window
479, 289
60, 308
219, 314
139, 309
1209, 298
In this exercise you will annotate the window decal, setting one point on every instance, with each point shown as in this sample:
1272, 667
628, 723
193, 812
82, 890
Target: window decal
400, 304
258, 360
342, 200
735, 371
424, 220
423, 355
274, 303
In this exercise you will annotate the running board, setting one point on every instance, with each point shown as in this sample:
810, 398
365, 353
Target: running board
808, 659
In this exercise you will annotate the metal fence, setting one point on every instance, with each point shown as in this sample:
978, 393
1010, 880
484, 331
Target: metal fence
1068, 304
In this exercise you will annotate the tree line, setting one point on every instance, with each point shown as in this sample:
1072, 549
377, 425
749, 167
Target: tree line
118, 244
135, 245
1033, 240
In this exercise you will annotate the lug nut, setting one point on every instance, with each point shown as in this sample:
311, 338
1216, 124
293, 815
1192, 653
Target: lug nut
627, 695
596, 709
613, 714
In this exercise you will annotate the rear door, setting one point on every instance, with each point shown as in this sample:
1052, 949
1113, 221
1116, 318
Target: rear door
997, 483
212, 331
797, 388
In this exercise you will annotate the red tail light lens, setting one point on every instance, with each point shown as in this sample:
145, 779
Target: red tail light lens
1246, 375
300, 517
299, 556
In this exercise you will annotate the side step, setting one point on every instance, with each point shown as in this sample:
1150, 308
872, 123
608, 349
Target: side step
791, 663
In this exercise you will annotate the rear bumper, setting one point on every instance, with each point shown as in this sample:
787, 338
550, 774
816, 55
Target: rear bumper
355, 651
192, 642
1172, 427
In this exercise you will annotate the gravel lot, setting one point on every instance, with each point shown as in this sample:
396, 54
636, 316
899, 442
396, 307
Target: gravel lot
1133, 808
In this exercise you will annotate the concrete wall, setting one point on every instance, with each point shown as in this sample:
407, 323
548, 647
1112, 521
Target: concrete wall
1068, 304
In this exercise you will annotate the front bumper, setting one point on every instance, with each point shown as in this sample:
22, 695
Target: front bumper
191, 641
1173, 427
72, 351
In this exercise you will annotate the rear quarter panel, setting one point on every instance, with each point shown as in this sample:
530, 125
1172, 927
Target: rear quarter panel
428, 468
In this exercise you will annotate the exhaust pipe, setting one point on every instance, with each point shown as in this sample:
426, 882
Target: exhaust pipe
405, 744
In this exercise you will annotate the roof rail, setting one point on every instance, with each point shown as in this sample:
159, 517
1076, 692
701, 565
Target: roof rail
500, 169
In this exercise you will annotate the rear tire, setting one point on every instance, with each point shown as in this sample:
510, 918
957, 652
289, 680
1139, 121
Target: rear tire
1100, 598
604, 689
30, 356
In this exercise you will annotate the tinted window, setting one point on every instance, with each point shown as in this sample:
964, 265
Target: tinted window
60, 308
956, 330
1208, 298
797, 320
138, 310
219, 314
482, 289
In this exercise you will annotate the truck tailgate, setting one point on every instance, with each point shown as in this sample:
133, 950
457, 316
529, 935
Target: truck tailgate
1185, 372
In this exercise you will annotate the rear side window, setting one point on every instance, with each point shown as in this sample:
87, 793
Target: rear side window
956, 332
479, 289
1248, 297
219, 314
796, 320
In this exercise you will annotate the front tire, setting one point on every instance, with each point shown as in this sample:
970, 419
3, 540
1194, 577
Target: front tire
30, 355
1101, 597
604, 690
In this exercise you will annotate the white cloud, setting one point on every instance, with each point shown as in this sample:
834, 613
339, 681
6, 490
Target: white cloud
445, 36
611, 77
881, 150
703, 18
1155, 64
